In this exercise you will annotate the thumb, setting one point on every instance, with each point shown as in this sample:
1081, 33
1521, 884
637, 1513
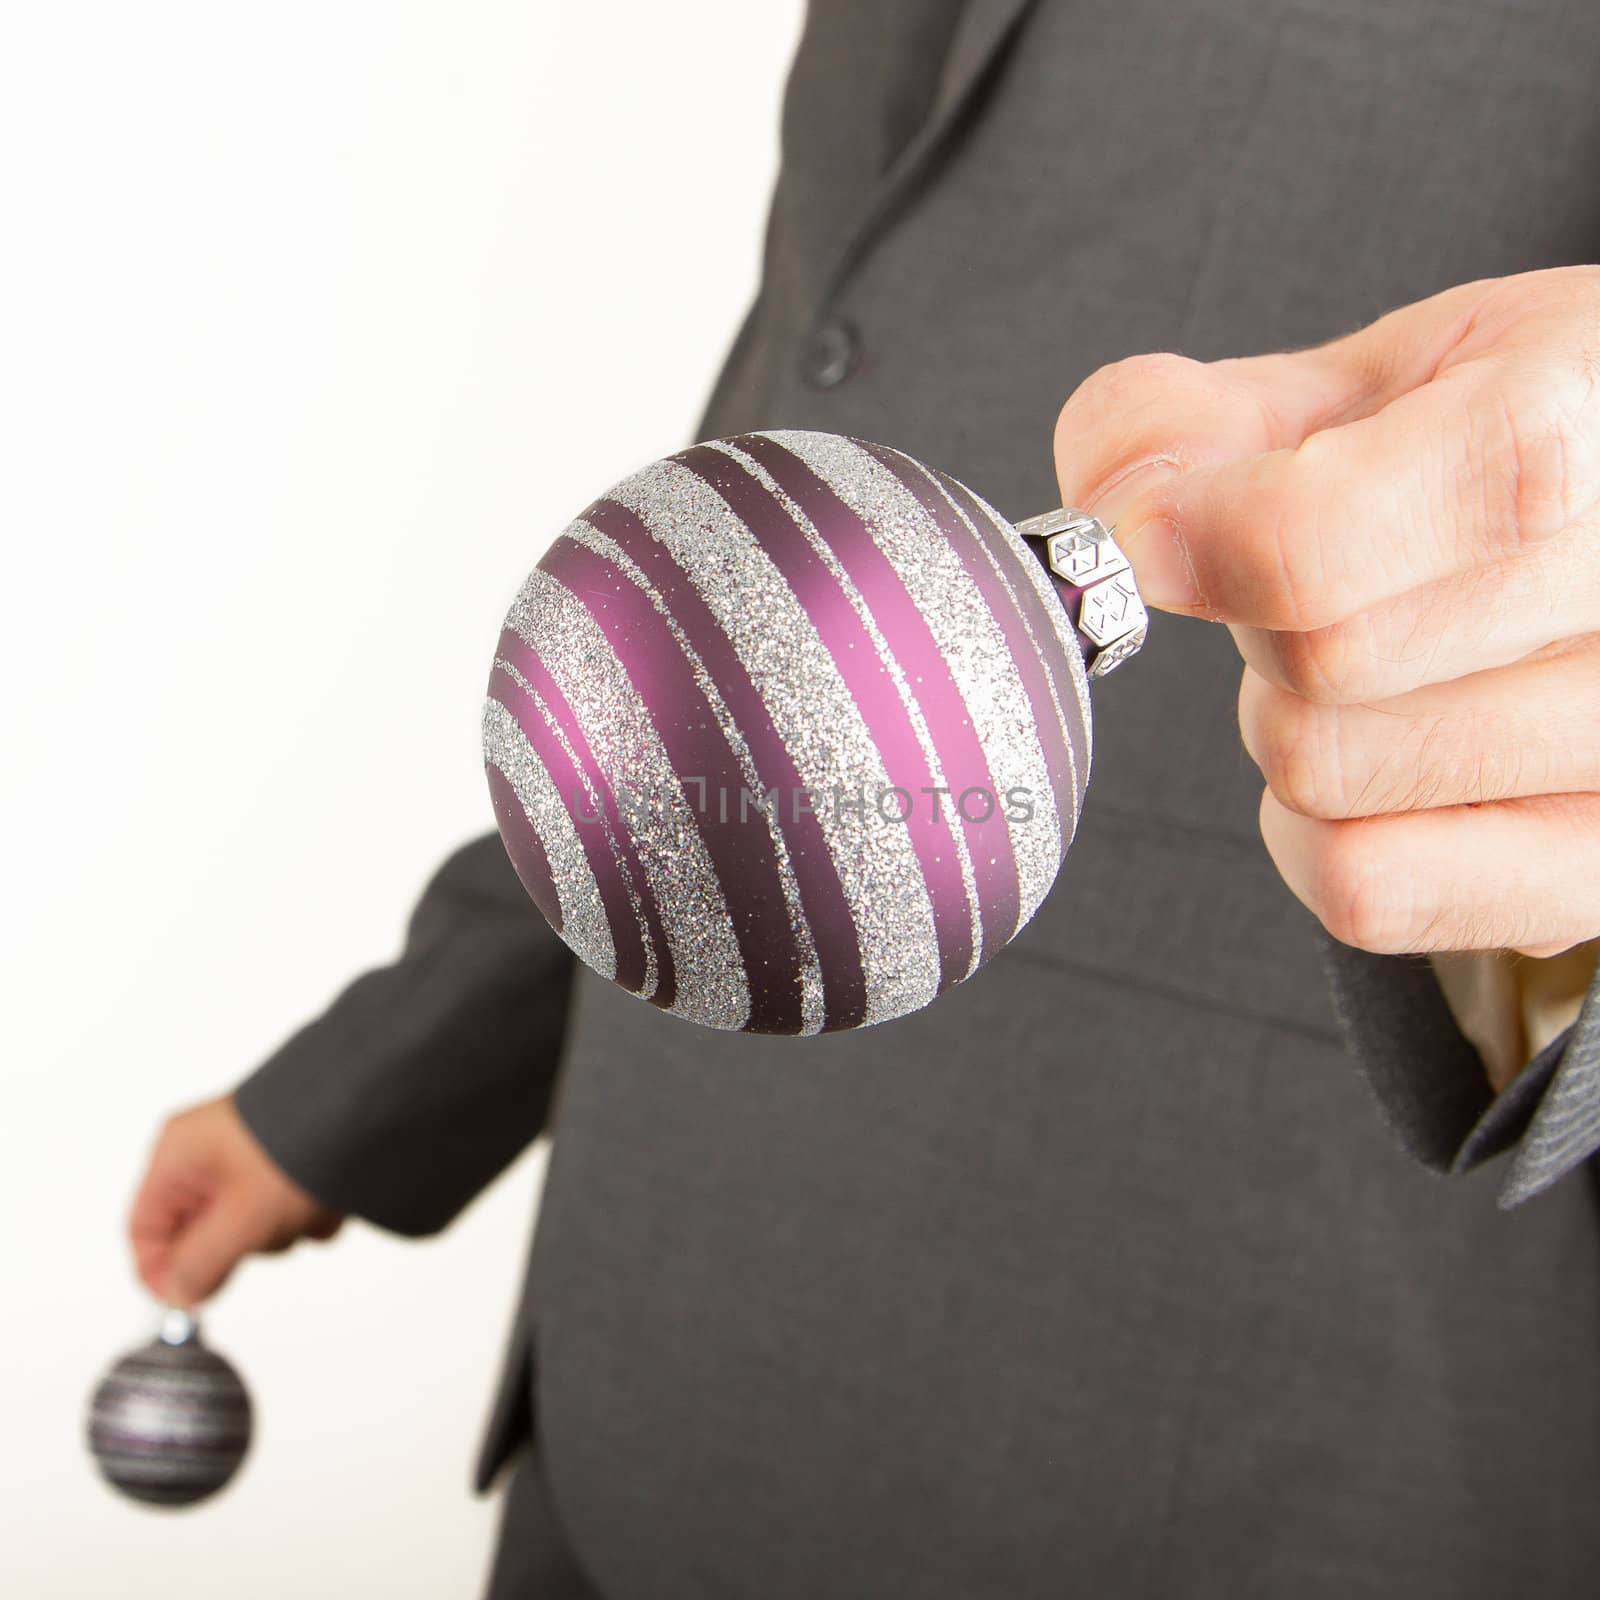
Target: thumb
206, 1252
1136, 427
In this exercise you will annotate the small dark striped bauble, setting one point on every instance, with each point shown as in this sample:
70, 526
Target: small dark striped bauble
170, 1423
787, 733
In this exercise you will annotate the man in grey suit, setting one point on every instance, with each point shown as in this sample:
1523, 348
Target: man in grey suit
1102, 1276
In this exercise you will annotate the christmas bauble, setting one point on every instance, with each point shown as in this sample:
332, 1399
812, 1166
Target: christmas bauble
788, 733
170, 1422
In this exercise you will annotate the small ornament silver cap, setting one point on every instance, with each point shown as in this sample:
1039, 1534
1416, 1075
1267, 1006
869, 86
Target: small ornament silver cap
1096, 584
178, 1326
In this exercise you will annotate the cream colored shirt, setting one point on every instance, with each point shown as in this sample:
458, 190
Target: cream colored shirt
1509, 1006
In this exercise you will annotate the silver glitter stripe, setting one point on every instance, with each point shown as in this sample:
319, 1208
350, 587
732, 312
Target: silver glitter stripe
585, 926
970, 640
130, 1421
133, 1374
189, 1409
148, 1468
1066, 636
1045, 648
712, 986
593, 806
812, 1008
886, 659
816, 717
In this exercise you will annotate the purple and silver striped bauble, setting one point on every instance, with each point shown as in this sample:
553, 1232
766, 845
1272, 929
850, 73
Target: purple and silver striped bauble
787, 733
170, 1423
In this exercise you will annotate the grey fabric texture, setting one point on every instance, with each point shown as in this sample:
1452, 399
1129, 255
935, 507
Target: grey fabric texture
1101, 1276
533, 1555
426, 1078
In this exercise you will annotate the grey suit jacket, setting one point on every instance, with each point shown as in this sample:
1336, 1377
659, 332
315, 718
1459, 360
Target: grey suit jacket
1101, 1275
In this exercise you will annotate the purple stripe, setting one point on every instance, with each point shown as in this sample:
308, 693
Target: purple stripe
1036, 610
824, 601
626, 938
928, 675
525, 847
981, 561
743, 854
525, 659
822, 895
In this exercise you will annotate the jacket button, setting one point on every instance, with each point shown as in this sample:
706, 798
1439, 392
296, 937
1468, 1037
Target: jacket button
831, 354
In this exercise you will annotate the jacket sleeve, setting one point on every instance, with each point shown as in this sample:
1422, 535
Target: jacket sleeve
425, 1078
1430, 1081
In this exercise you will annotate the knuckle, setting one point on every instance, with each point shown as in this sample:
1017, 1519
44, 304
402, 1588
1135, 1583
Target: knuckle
1123, 393
1121, 385
1298, 754
1319, 666
1138, 409
1355, 898
1546, 464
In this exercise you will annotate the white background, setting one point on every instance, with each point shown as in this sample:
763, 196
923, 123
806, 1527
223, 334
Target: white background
316, 321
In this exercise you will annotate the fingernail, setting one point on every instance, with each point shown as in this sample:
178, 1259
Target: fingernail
1150, 541
1160, 562
1125, 489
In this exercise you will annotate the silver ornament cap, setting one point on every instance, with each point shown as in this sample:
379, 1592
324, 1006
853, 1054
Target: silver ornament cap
1096, 584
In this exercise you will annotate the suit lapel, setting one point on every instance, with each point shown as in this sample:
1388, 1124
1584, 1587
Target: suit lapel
985, 29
